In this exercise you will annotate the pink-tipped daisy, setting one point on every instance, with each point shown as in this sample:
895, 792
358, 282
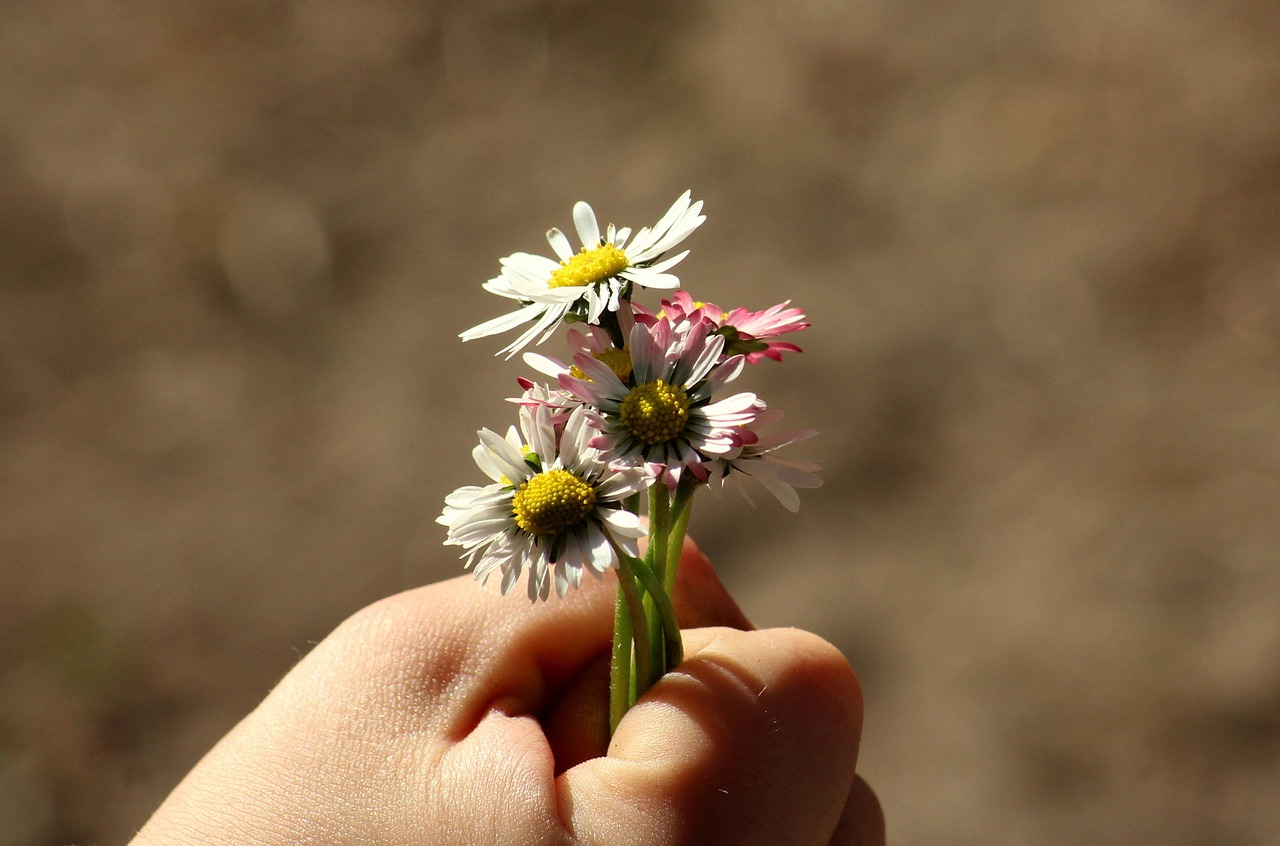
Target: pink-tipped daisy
758, 461
591, 281
554, 507
663, 417
748, 333
560, 404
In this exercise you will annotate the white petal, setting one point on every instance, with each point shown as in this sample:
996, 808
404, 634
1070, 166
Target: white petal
524, 269
576, 553
665, 264
597, 546
646, 238
503, 323
562, 578
574, 452
597, 301
560, 244
648, 359
615, 293
795, 476
544, 365
600, 374
676, 225
622, 522
732, 406
507, 459
565, 295
645, 279
783, 492
480, 454
501, 286
585, 220
510, 563
620, 484
480, 531
540, 433
583, 390
539, 585
629, 545
729, 370
545, 325
693, 372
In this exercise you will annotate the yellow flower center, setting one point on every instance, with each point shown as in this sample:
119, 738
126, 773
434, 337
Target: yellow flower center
589, 267
655, 412
552, 502
619, 361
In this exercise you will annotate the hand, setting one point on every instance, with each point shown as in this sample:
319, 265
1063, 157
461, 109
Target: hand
451, 714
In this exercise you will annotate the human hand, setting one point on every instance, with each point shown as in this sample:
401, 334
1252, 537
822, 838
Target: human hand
450, 714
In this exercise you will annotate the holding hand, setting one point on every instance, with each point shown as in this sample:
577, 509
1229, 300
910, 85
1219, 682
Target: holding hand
449, 714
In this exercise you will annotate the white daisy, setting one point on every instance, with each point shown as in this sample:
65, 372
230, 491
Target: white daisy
663, 416
591, 282
757, 460
554, 506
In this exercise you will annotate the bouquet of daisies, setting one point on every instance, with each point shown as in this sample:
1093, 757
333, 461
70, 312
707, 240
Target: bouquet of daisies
636, 418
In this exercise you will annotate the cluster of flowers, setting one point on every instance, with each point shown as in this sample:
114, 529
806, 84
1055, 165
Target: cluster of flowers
640, 407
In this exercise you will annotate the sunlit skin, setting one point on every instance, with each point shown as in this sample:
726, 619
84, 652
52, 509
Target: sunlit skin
450, 714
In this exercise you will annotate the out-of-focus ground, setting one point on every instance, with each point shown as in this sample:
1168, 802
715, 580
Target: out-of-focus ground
1040, 244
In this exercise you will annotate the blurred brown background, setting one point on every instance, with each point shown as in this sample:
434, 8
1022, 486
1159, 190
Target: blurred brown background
1038, 241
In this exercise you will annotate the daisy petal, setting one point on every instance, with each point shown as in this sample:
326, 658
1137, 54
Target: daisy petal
584, 218
503, 323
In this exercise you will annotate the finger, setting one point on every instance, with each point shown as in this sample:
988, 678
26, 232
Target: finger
753, 739
862, 823
577, 724
700, 598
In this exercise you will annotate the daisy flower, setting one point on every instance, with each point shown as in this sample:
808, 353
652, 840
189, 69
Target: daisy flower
746, 332
590, 282
554, 507
757, 461
663, 417
560, 404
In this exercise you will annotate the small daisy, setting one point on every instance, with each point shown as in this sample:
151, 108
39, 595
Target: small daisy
554, 506
663, 418
746, 332
560, 404
778, 476
590, 282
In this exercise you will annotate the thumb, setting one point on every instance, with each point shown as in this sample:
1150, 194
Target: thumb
577, 725
752, 739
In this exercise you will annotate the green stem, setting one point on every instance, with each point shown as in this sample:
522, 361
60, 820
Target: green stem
656, 558
620, 661
669, 627
659, 527
681, 507
640, 627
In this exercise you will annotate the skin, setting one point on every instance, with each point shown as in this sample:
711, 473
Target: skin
450, 714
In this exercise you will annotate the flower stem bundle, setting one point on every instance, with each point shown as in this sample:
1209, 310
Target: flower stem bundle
631, 426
